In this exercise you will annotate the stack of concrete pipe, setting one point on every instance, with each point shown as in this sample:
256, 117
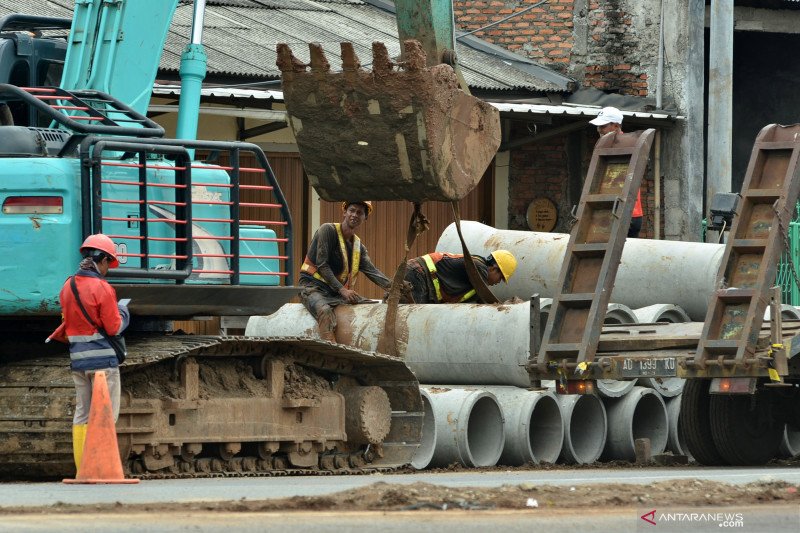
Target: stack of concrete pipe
479, 426
650, 272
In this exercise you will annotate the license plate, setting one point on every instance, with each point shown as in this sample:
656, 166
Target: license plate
649, 367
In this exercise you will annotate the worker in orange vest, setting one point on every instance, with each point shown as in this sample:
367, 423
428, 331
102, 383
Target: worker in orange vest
610, 120
334, 259
442, 277
91, 315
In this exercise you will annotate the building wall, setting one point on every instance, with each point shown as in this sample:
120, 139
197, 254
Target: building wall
610, 45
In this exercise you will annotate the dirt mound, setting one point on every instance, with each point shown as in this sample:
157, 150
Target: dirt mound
224, 378
385, 497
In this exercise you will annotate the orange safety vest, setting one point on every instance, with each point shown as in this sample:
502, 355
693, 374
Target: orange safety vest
346, 277
430, 261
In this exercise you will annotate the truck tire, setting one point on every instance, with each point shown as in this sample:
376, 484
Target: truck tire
694, 423
744, 430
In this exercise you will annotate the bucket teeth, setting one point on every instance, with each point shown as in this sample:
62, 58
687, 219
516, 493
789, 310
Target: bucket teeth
319, 63
414, 57
286, 60
381, 63
406, 133
350, 60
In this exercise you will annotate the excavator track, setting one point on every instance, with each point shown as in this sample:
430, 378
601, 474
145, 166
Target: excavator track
204, 406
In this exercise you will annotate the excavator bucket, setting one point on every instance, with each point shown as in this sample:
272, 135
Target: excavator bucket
403, 131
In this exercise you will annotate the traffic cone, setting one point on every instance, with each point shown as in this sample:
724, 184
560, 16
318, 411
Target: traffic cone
101, 462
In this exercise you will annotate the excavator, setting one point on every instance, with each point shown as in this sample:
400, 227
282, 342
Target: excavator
78, 156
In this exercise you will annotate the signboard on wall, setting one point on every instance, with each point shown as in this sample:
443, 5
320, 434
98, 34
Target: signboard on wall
542, 215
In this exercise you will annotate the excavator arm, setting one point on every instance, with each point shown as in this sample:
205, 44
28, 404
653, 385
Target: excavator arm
115, 47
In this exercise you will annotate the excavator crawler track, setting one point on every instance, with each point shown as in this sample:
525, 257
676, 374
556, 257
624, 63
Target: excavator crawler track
202, 406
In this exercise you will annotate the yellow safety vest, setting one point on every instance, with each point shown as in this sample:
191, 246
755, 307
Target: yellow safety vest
430, 262
346, 277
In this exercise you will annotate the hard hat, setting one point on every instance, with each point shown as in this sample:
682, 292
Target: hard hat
507, 263
362, 202
104, 244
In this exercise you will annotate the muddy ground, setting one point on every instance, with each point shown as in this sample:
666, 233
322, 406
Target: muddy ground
418, 496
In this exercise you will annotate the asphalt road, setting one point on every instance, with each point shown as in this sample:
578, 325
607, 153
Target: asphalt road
762, 518
221, 489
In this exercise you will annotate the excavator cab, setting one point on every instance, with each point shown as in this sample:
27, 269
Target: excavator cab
403, 131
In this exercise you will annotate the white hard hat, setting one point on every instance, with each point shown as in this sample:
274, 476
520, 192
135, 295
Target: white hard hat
607, 115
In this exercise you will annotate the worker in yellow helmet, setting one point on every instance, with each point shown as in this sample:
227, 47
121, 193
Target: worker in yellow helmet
334, 259
442, 277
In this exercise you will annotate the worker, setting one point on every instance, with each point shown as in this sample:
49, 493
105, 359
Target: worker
334, 259
610, 120
442, 277
90, 349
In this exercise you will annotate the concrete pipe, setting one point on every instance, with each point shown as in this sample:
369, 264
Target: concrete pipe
675, 443
440, 343
651, 271
639, 414
424, 454
790, 443
585, 427
614, 388
666, 387
534, 425
469, 426
788, 312
619, 314
661, 313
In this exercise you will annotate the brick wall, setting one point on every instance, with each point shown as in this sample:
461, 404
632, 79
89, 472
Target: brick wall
540, 170
544, 33
605, 44
612, 62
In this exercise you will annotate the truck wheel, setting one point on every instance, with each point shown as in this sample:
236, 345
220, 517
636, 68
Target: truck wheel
744, 429
694, 423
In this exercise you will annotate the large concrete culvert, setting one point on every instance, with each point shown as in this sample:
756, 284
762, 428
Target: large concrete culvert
469, 426
617, 314
790, 443
639, 414
671, 313
534, 425
585, 427
675, 442
424, 454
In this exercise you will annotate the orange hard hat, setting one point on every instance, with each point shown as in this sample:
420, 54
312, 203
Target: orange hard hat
104, 244
360, 202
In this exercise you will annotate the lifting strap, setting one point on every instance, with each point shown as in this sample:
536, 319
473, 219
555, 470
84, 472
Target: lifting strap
483, 291
386, 342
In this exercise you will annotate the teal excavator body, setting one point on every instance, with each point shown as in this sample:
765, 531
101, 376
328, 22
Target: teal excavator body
78, 155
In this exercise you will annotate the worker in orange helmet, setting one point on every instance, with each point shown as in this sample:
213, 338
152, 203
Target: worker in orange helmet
442, 277
91, 314
334, 259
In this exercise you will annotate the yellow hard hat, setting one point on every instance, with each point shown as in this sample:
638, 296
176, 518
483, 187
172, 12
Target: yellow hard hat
361, 202
506, 261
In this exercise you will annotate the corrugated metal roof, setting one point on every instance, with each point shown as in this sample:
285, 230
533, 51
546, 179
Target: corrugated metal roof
586, 111
576, 110
221, 92
241, 36
241, 41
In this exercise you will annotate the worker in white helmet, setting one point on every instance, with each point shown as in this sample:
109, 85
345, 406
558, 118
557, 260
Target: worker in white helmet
609, 120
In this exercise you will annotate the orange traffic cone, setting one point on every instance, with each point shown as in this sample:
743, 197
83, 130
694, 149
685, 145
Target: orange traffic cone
101, 462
